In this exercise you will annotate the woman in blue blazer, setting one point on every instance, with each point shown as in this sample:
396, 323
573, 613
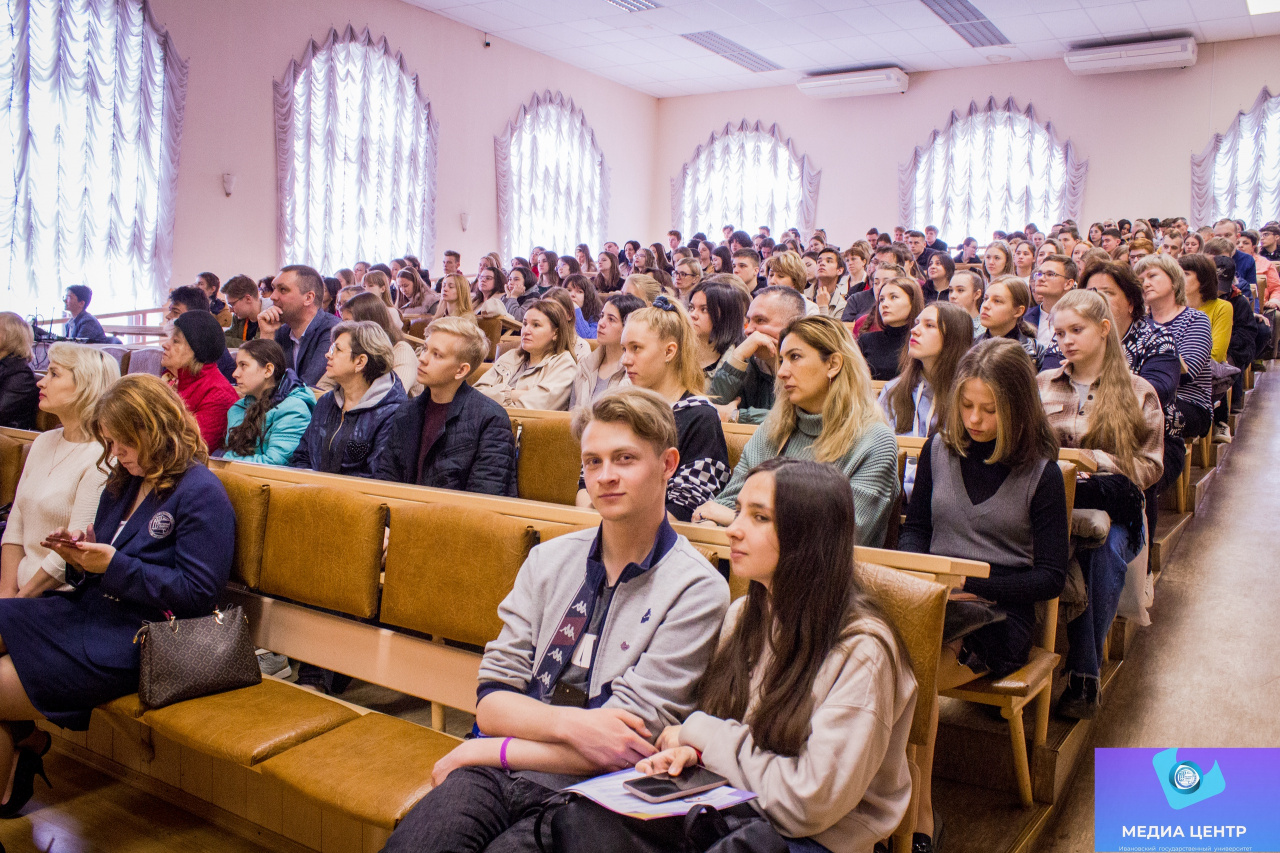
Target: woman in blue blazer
161, 544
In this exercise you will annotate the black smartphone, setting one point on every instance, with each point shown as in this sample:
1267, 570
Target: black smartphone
661, 787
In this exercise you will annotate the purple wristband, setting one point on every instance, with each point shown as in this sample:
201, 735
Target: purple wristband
502, 754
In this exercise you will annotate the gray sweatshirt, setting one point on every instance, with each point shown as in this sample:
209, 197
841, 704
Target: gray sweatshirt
655, 643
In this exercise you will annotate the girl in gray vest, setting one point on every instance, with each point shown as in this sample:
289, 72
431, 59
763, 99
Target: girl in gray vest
987, 488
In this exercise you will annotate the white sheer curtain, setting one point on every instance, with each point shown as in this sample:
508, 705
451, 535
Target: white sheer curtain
553, 185
91, 98
356, 156
994, 168
1238, 175
746, 176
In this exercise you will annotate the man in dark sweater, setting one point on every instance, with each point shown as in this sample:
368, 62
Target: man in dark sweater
452, 436
742, 388
297, 323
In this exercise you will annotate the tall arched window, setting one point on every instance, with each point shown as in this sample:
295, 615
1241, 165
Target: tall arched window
1238, 175
746, 176
553, 185
91, 98
356, 156
994, 168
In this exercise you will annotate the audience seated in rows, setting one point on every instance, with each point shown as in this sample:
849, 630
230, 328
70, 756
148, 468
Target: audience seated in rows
61, 481
744, 383
898, 304
658, 354
559, 705
1094, 402
451, 436
18, 392
167, 535
404, 363
245, 303
350, 426
191, 355
539, 373
987, 488
603, 369
825, 411
274, 409
297, 322
83, 326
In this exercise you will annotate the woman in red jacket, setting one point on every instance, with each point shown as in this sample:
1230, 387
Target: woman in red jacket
190, 362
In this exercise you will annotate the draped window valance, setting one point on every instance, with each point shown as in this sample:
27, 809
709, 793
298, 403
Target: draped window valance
91, 100
553, 184
356, 146
996, 167
1237, 176
746, 175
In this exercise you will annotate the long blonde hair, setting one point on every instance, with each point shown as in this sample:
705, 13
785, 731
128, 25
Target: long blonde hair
670, 323
850, 407
461, 294
1116, 424
379, 279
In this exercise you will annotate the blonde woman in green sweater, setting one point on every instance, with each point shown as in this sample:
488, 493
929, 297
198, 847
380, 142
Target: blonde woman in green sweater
824, 409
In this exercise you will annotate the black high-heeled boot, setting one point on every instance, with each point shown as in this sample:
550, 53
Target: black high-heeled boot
30, 766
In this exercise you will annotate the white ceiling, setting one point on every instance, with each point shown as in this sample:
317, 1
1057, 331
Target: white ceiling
644, 50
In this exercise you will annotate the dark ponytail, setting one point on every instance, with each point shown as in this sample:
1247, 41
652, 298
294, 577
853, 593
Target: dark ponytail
243, 440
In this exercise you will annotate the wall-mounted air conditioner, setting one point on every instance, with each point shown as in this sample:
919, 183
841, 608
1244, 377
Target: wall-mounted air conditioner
1143, 56
878, 81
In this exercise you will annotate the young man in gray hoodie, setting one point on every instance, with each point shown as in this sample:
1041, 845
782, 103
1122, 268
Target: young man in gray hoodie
604, 636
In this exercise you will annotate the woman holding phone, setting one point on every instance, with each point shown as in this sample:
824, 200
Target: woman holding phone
161, 544
808, 701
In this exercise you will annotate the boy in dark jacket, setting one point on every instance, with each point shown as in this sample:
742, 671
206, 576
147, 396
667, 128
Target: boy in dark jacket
451, 436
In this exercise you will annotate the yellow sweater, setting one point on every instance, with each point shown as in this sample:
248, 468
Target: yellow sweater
1220, 316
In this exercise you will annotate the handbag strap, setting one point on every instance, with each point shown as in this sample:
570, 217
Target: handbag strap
719, 827
555, 802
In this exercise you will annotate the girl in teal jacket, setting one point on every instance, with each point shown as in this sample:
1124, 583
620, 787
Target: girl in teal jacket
274, 409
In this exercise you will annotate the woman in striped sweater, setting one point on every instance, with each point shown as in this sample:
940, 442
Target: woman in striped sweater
824, 410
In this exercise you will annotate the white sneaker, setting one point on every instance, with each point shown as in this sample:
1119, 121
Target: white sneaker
1221, 434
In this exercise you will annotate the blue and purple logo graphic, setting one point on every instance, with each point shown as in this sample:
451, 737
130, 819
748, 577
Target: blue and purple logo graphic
1170, 800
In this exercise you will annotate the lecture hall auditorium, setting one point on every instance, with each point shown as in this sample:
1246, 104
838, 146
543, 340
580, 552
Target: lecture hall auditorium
410, 409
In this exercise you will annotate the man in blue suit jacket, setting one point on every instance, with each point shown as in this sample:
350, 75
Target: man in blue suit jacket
82, 324
297, 296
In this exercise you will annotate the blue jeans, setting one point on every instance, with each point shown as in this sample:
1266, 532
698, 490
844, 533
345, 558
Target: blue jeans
1104, 571
477, 808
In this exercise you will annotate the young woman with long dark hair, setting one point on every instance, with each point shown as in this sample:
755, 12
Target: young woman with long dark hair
988, 488
809, 699
718, 316
274, 409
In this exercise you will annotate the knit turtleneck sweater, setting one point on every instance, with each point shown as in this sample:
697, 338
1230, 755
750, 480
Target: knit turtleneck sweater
871, 466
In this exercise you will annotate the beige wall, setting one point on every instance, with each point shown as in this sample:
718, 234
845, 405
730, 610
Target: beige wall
1138, 131
237, 48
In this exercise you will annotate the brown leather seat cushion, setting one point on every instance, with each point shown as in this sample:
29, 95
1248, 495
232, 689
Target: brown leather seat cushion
374, 769
130, 706
250, 725
324, 548
249, 499
11, 459
448, 569
550, 459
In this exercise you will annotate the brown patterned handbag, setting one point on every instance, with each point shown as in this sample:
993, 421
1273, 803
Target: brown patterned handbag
186, 658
